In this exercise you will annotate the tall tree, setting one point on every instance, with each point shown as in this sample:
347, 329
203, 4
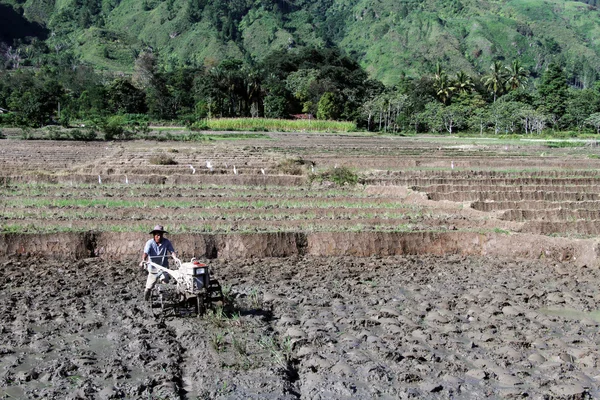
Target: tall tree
516, 75
123, 97
463, 82
554, 91
494, 81
443, 85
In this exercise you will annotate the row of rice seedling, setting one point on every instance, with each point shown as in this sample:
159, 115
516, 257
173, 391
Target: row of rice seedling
39, 227
224, 204
179, 191
211, 215
278, 125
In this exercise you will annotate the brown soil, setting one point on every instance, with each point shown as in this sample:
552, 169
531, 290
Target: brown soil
305, 327
481, 282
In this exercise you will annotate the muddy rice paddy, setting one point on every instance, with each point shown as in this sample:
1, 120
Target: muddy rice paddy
513, 312
315, 328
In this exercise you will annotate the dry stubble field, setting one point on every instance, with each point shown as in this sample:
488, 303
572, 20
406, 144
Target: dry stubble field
454, 269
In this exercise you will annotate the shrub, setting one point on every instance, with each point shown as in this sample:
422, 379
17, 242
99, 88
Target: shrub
55, 133
112, 128
120, 127
199, 126
130, 119
293, 166
27, 133
340, 176
84, 135
162, 159
7, 119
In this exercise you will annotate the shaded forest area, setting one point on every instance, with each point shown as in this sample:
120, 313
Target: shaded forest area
323, 83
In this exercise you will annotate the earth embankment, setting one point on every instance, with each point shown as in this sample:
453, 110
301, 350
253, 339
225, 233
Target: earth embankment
127, 246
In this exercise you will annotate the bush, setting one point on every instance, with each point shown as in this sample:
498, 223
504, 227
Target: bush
162, 159
199, 126
7, 119
292, 166
27, 133
84, 135
131, 119
55, 133
112, 127
123, 127
340, 176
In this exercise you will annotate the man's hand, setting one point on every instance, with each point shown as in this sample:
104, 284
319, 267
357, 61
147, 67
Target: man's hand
143, 264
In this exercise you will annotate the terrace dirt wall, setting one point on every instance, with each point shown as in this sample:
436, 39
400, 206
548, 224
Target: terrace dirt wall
126, 246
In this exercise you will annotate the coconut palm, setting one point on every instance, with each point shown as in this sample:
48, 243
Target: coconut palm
443, 86
516, 75
494, 81
463, 82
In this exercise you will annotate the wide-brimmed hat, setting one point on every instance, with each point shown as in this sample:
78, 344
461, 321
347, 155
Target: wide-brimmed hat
158, 229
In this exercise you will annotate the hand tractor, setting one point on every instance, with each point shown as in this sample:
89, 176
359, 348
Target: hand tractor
191, 287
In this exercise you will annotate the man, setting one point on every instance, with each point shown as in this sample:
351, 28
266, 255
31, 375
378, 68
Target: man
156, 250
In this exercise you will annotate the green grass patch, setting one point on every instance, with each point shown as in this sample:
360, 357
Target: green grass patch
340, 176
275, 125
559, 145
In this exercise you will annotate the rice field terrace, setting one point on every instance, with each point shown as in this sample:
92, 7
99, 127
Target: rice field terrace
353, 267
283, 184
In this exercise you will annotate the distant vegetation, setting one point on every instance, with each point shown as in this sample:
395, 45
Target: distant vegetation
389, 38
408, 66
276, 125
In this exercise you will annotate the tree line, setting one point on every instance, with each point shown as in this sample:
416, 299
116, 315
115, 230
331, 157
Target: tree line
307, 83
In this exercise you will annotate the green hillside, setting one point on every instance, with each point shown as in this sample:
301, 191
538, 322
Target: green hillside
389, 38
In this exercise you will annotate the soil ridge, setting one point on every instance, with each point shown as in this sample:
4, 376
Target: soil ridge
122, 246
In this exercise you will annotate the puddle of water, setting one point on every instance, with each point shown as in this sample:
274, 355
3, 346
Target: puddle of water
12, 392
571, 314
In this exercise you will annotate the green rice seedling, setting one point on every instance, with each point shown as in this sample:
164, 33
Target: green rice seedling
239, 345
357, 228
74, 379
227, 293
563, 144
269, 344
216, 317
255, 298
11, 228
217, 339
224, 389
235, 319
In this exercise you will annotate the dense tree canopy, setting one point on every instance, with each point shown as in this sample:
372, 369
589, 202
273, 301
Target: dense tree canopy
312, 82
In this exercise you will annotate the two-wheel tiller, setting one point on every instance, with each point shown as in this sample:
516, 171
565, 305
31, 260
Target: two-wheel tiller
189, 289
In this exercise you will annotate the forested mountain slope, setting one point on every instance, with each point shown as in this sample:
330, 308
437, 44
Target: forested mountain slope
389, 38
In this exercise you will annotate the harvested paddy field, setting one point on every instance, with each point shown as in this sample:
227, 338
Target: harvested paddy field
441, 268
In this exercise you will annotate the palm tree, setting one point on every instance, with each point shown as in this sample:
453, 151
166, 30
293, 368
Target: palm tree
495, 80
439, 71
442, 85
463, 82
517, 75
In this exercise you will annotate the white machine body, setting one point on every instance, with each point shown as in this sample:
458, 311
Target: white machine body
190, 277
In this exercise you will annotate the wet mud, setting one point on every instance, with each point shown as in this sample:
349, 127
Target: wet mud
449, 327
